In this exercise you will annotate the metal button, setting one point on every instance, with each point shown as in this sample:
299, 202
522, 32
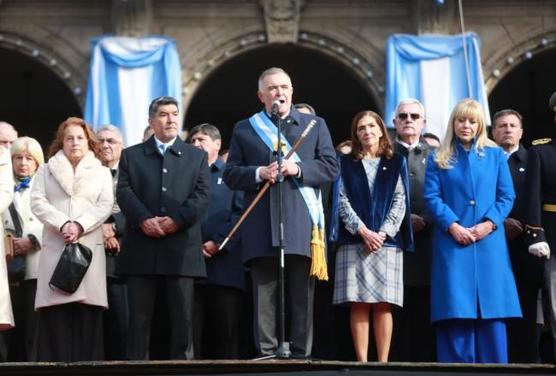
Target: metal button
163, 189
472, 202
164, 170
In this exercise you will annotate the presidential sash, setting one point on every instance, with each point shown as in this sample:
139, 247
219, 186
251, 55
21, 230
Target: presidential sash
268, 133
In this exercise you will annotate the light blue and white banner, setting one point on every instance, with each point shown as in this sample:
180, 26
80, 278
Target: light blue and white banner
437, 70
126, 74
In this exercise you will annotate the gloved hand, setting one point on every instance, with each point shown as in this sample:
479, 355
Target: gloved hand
540, 249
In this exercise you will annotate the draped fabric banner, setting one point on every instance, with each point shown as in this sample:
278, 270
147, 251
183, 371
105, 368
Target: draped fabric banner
433, 70
126, 74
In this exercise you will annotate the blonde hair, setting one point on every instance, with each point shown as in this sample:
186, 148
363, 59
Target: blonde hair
467, 108
28, 145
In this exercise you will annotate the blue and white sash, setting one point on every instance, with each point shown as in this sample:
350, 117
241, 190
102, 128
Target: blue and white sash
268, 132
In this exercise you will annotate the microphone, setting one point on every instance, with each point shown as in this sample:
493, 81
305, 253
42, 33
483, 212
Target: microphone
275, 106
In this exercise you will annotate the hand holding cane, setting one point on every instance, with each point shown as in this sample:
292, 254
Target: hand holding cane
261, 193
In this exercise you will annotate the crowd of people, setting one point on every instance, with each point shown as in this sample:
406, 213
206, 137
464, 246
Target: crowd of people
440, 251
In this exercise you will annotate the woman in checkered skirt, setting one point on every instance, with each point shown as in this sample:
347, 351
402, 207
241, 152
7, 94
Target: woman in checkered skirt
373, 229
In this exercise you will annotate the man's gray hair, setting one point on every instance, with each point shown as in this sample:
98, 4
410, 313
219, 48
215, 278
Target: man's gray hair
207, 129
6, 125
268, 72
411, 101
111, 128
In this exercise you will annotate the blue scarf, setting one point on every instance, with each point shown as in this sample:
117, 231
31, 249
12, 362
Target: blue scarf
23, 183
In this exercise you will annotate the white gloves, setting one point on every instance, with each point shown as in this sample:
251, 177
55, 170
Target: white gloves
540, 249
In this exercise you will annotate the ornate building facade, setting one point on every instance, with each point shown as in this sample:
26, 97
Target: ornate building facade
334, 50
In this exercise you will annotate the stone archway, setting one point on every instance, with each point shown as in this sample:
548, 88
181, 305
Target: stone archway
36, 94
335, 80
229, 93
523, 80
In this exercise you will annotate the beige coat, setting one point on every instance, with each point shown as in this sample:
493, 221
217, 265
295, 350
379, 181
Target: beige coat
30, 226
6, 194
59, 195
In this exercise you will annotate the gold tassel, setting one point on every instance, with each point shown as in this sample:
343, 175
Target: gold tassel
318, 255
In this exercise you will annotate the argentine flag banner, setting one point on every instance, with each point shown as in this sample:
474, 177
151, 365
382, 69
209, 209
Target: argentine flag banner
126, 74
438, 70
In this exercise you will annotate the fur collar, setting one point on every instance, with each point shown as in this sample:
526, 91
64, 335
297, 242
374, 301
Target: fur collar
72, 183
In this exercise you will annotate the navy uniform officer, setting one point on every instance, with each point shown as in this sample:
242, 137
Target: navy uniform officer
540, 231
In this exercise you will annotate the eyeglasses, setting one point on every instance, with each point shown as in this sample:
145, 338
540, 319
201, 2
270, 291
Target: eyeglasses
406, 115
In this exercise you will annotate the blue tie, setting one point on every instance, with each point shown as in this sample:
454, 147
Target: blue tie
162, 148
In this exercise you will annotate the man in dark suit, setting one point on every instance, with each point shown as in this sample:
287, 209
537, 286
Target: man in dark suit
251, 163
116, 316
219, 299
523, 345
163, 190
414, 336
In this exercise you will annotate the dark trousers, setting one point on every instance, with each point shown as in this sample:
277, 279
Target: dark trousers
471, 341
523, 341
141, 298
413, 338
116, 320
218, 316
300, 288
69, 333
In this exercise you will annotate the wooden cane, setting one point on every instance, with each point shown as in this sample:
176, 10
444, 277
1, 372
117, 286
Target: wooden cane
261, 193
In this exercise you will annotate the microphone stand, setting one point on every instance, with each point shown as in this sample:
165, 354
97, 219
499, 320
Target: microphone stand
283, 349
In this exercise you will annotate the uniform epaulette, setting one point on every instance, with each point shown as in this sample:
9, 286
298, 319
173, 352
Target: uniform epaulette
541, 141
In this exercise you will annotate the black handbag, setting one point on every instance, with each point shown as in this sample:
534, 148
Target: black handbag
16, 266
71, 267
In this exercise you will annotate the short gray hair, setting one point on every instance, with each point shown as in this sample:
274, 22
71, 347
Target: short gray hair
268, 72
111, 128
8, 126
411, 101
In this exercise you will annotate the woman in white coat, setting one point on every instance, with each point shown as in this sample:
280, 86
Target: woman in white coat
27, 157
6, 194
72, 196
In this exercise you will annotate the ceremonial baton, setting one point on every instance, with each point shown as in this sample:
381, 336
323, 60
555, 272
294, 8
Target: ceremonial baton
261, 193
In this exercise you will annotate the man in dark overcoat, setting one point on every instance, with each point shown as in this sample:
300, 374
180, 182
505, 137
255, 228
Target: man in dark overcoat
116, 317
163, 190
251, 164
413, 333
219, 299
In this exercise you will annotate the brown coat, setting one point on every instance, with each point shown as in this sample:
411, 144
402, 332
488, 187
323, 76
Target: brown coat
59, 195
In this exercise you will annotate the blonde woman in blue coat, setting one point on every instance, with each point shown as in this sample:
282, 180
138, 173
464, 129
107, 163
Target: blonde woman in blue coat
469, 193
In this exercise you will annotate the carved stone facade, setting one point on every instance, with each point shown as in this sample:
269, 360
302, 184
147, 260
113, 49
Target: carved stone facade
210, 32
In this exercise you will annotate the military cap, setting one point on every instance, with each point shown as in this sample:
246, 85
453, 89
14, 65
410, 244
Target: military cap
552, 102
